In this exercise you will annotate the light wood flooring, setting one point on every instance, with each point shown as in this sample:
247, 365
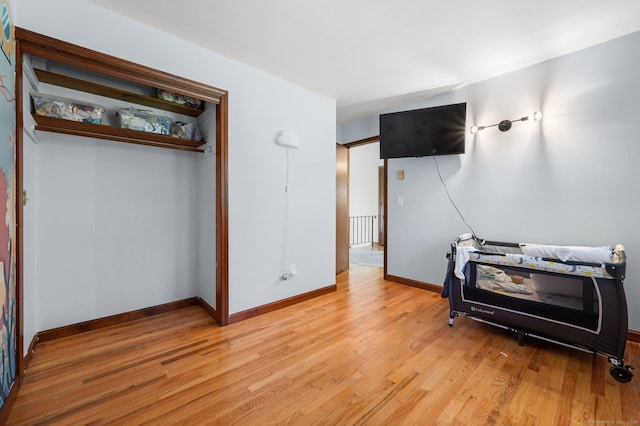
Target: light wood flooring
374, 353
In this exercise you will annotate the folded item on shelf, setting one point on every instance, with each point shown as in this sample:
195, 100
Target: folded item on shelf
144, 121
67, 109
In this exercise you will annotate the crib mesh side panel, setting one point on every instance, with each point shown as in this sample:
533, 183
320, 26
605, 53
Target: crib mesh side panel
567, 300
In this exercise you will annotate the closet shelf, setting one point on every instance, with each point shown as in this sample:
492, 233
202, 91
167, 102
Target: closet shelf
114, 93
59, 125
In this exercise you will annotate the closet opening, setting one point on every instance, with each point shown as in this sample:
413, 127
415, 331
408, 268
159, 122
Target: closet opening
115, 216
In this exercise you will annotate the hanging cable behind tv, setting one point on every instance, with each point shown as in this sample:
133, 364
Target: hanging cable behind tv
451, 199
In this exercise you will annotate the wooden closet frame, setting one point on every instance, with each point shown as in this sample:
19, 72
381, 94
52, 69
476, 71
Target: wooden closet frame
28, 42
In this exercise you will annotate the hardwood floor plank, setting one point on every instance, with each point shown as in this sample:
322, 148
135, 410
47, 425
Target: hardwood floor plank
374, 352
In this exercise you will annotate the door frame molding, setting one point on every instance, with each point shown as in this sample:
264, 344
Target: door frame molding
382, 185
366, 141
342, 208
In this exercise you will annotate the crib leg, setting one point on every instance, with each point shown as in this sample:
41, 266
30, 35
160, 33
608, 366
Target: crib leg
620, 373
520, 337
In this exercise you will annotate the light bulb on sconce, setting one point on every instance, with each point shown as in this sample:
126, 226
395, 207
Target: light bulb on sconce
476, 129
535, 116
505, 125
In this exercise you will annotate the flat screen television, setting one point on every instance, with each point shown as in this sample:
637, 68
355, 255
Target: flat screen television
428, 131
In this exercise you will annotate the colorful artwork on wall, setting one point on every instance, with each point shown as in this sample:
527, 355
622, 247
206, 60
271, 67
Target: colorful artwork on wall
8, 332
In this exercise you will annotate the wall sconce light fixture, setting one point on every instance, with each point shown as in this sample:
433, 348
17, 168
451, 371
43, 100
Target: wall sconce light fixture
288, 138
505, 125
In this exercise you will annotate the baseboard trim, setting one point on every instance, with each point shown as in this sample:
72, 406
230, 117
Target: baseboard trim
413, 283
207, 308
32, 347
81, 327
259, 310
633, 336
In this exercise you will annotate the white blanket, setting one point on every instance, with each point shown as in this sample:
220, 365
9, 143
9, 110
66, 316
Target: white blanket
565, 253
462, 257
490, 278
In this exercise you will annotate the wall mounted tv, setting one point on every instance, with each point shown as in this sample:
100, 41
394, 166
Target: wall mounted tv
429, 131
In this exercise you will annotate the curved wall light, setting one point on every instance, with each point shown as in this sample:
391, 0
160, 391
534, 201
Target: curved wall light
505, 125
288, 138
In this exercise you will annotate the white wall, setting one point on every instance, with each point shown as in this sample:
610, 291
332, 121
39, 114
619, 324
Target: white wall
361, 129
259, 106
364, 161
571, 179
112, 236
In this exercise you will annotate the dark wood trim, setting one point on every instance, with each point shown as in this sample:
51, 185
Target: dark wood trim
69, 330
115, 134
413, 283
342, 208
386, 220
19, 156
207, 308
222, 211
19, 207
91, 60
633, 336
114, 93
259, 310
382, 188
32, 347
365, 141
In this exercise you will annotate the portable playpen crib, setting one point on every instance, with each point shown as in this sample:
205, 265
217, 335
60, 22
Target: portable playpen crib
568, 295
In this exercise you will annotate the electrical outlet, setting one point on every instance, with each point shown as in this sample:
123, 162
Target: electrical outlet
285, 276
290, 273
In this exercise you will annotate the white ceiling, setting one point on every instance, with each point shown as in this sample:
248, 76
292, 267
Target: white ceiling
374, 55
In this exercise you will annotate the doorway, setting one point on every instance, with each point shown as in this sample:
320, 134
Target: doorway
365, 189
382, 192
